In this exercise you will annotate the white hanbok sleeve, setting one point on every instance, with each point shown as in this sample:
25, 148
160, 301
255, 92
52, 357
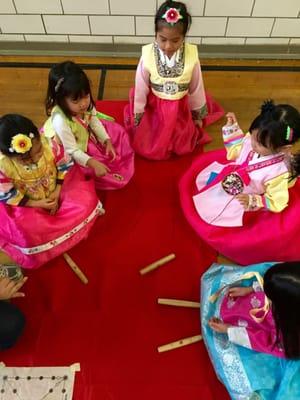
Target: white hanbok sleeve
97, 127
68, 140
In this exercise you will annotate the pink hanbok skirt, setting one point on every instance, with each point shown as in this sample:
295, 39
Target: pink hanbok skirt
31, 236
264, 236
122, 168
167, 127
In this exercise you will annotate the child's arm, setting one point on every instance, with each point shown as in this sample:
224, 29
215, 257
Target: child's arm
261, 340
197, 100
69, 143
12, 196
97, 127
233, 137
99, 130
275, 198
255, 339
63, 163
239, 291
142, 78
9, 194
68, 140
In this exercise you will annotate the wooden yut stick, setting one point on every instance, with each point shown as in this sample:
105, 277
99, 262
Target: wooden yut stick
75, 268
179, 343
178, 303
157, 264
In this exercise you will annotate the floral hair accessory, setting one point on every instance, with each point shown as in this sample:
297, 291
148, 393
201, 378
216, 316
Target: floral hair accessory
21, 143
289, 134
172, 15
59, 83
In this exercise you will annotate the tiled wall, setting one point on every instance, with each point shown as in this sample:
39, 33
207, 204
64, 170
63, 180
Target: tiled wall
131, 21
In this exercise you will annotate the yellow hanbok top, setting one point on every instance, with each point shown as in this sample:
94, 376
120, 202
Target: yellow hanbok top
19, 182
170, 84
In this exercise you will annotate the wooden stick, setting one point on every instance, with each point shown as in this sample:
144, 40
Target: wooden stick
179, 343
178, 303
75, 268
157, 264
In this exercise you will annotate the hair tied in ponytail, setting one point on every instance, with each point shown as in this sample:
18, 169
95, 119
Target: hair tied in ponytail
267, 107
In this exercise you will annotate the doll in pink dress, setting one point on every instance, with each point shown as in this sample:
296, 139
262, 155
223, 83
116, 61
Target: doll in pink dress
264, 316
240, 206
168, 107
100, 147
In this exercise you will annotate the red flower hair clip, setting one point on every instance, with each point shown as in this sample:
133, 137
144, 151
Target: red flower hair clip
172, 16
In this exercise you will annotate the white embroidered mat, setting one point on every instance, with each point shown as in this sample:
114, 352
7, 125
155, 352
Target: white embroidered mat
37, 383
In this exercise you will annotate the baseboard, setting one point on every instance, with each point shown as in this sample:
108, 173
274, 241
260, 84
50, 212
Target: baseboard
132, 50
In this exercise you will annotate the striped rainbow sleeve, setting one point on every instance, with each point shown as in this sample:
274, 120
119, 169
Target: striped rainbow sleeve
8, 193
233, 138
276, 197
62, 160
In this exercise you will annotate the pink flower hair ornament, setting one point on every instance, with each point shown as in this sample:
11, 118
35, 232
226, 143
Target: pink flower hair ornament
172, 16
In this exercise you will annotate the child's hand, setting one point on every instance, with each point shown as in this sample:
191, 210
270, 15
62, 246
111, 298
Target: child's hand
109, 149
99, 168
10, 288
231, 118
137, 118
239, 291
55, 194
243, 199
47, 204
198, 122
217, 325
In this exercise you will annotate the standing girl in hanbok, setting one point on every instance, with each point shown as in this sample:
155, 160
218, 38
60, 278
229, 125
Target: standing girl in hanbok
46, 204
168, 106
252, 191
101, 148
251, 327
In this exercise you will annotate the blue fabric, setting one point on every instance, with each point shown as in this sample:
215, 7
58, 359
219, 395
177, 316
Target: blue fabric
247, 374
211, 177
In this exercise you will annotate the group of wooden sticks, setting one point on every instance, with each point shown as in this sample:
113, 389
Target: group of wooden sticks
169, 302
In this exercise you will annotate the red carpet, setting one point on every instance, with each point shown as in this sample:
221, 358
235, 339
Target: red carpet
112, 326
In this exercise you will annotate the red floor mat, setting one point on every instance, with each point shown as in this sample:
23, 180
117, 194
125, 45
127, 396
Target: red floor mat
112, 326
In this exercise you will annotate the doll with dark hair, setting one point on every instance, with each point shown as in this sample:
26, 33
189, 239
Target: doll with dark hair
168, 107
46, 204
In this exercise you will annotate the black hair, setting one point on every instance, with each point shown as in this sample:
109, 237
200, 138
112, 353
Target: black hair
11, 125
282, 287
66, 79
184, 23
273, 124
